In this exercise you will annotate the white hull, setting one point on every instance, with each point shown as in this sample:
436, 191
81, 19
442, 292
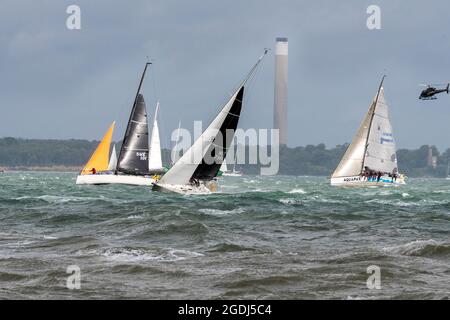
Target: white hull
358, 181
231, 174
115, 179
203, 188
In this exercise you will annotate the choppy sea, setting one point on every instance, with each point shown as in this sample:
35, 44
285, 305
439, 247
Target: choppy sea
258, 238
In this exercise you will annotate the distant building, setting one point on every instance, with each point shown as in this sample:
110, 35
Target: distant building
280, 116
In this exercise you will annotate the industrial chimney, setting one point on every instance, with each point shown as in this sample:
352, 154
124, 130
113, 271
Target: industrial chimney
280, 120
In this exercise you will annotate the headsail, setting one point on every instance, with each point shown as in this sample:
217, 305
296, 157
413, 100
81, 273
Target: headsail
155, 161
213, 143
353, 159
100, 157
113, 159
133, 158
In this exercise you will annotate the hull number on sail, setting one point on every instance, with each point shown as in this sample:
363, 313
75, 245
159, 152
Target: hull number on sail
142, 155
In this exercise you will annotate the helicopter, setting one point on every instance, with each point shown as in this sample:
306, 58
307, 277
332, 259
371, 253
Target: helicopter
430, 92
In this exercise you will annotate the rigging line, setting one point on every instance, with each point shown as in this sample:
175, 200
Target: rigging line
250, 75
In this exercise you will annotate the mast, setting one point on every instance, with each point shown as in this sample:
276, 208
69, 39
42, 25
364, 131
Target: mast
132, 111
370, 123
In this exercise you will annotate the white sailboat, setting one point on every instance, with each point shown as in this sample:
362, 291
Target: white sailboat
371, 157
132, 165
229, 173
193, 173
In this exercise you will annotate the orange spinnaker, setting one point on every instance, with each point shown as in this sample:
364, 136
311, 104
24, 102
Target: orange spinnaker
100, 158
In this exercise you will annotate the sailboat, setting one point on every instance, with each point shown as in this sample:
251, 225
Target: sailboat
227, 173
371, 157
194, 173
132, 165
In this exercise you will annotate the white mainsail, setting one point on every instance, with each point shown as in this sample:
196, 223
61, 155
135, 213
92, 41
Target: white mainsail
154, 158
373, 145
113, 159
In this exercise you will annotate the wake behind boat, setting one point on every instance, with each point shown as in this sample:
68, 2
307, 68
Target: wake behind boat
371, 158
133, 166
194, 172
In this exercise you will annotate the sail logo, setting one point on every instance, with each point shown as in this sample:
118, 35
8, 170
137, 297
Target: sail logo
142, 156
387, 138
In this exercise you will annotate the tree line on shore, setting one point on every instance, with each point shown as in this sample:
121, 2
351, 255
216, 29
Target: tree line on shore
305, 160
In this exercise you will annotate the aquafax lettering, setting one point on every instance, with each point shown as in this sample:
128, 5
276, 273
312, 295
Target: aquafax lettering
352, 179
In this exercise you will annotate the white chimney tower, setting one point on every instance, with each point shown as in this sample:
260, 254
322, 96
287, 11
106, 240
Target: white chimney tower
280, 116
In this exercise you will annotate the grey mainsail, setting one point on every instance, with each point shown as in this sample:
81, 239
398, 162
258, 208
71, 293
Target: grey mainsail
133, 158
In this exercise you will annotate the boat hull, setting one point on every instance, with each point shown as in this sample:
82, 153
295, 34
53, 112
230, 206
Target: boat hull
97, 179
359, 181
201, 189
231, 174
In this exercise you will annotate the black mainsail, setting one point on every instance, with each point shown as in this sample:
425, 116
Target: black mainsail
133, 156
219, 147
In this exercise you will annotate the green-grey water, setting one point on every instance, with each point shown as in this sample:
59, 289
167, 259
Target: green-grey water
260, 237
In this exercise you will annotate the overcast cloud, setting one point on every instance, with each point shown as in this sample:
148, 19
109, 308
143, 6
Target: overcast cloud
58, 83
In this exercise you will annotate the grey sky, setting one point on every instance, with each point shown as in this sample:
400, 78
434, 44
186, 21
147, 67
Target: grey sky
58, 83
